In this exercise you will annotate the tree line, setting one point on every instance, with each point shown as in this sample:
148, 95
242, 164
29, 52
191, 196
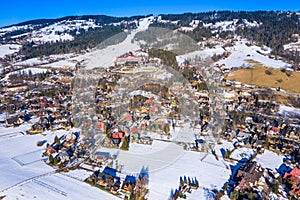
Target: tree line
86, 40
275, 27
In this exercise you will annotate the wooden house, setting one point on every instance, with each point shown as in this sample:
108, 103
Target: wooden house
248, 175
14, 121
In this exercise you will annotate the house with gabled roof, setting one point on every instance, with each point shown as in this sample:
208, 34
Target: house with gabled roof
248, 175
293, 179
14, 121
129, 183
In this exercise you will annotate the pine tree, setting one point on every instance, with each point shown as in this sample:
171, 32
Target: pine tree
234, 195
55, 161
166, 128
51, 159
176, 194
181, 181
56, 140
227, 153
185, 180
196, 182
125, 144
252, 195
275, 188
189, 181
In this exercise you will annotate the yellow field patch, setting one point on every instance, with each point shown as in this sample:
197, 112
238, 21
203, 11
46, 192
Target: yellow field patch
258, 76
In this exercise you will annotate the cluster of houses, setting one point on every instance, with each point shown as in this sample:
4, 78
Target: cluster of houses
65, 149
47, 101
251, 121
106, 120
254, 123
150, 111
251, 180
142, 116
121, 185
258, 124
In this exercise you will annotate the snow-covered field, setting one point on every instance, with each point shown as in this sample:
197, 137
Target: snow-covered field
8, 49
18, 157
32, 62
269, 160
168, 161
51, 37
58, 186
240, 52
218, 26
157, 156
218, 50
230, 25
26, 71
210, 173
61, 64
2, 117
287, 110
55, 61
241, 153
24, 175
13, 28
23, 169
219, 148
52, 33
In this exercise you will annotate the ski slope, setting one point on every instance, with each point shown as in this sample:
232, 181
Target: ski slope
105, 57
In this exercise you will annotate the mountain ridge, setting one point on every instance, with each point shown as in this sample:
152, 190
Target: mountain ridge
38, 37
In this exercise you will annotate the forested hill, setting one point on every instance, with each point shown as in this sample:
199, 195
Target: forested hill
40, 37
269, 28
273, 29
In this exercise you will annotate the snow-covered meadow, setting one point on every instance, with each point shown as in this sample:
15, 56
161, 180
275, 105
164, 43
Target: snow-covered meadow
7, 49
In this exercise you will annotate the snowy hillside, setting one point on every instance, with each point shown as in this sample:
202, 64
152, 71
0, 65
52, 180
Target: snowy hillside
52, 33
230, 25
8, 49
240, 53
56, 30
105, 57
66, 35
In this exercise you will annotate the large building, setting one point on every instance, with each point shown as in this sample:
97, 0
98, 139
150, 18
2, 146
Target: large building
129, 59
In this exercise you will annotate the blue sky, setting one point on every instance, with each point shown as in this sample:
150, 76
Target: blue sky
15, 11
